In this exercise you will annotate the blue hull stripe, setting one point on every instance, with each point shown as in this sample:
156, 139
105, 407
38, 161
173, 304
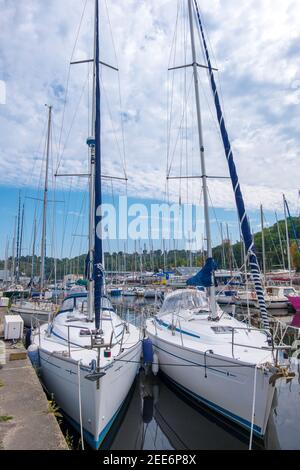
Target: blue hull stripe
243, 422
160, 322
88, 437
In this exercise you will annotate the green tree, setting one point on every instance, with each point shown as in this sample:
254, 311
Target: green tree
295, 256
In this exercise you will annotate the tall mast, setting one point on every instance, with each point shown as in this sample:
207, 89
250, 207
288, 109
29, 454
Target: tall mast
287, 240
280, 241
223, 248
21, 236
33, 248
175, 254
18, 240
125, 267
141, 260
6, 260
242, 244
43, 244
91, 143
190, 250
98, 268
135, 264
164, 254
263, 242
245, 226
203, 168
13, 252
229, 251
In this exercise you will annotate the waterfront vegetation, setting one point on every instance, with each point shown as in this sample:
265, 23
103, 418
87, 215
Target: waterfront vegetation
227, 255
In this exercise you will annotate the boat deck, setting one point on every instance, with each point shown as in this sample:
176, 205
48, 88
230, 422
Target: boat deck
196, 335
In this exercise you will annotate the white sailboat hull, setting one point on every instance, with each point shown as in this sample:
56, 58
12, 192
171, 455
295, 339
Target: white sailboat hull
225, 300
223, 385
271, 305
100, 405
4, 301
277, 305
28, 314
246, 303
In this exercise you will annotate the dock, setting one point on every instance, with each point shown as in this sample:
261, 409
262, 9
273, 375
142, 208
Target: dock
27, 422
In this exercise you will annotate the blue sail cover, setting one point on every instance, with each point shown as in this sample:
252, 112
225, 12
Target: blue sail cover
98, 255
205, 276
245, 226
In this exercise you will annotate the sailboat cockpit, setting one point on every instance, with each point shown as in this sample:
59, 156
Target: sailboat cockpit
185, 303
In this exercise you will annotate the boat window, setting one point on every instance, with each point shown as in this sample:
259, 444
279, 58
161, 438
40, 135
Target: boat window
222, 329
67, 304
288, 291
106, 304
184, 300
81, 304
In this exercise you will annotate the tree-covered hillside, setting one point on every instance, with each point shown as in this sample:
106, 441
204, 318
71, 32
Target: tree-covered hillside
227, 255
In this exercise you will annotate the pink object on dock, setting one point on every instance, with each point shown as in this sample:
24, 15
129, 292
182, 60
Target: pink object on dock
296, 320
295, 301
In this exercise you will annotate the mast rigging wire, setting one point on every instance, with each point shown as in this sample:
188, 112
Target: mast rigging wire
68, 78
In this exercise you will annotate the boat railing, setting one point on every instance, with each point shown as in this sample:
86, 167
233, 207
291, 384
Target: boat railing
95, 342
36, 326
272, 347
283, 333
180, 329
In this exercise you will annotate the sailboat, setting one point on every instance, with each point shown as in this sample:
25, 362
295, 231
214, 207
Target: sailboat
39, 307
89, 356
276, 296
15, 289
218, 360
293, 297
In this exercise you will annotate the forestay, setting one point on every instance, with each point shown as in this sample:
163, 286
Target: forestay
244, 223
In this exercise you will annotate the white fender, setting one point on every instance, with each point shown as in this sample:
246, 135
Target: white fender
155, 365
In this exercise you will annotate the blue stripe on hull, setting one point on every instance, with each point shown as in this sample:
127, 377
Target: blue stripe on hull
167, 325
89, 437
241, 421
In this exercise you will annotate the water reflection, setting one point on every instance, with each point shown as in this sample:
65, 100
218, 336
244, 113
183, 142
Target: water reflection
159, 418
285, 416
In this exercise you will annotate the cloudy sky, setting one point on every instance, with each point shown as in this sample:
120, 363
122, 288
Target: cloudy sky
254, 45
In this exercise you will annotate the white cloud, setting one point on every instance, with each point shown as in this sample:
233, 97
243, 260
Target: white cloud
253, 45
